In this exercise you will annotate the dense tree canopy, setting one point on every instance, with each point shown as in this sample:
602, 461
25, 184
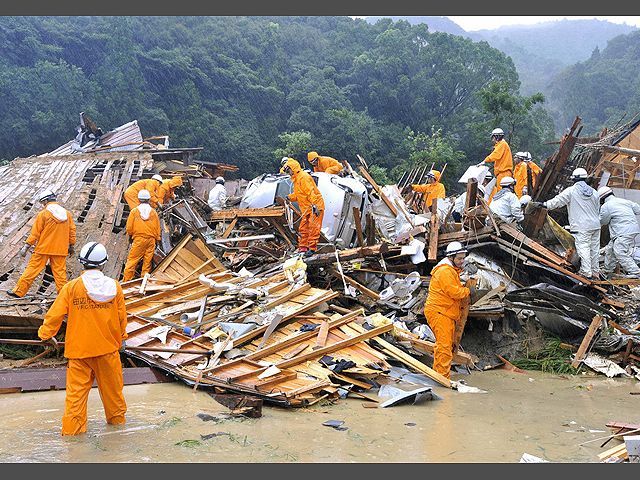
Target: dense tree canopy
235, 85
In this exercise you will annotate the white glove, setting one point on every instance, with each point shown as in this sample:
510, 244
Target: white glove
24, 249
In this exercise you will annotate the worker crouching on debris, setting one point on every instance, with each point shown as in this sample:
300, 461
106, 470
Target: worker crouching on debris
501, 158
166, 191
311, 203
218, 195
620, 215
432, 189
54, 235
443, 306
149, 184
143, 226
93, 305
505, 203
324, 164
583, 205
520, 173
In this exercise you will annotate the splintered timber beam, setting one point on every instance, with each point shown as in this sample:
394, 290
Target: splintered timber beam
586, 341
377, 188
433, 231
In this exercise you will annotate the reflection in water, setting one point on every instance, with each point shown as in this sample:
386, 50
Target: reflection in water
544, 415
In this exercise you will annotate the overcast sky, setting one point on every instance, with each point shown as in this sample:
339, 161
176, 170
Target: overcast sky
471, 23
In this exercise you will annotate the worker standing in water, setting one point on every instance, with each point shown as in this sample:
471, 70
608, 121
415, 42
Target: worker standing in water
443, 306
94, 309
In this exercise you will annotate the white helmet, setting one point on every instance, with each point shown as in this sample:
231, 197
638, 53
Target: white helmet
507, 181
157, 177
283, 161
497, 132
454, 248
527, 156
524, 199
604, 192
579, 173
46, 196
144, 195
220, 180
521, 155
93, 254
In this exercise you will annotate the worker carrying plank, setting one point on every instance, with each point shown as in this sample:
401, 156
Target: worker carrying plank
501, 158
143, 226
93, 305
432, 189
166, 191
149, 184
443, 306
505, 203
218, 195
309, 199
524, 163
583, 205
324, 164
620, 215
54, 234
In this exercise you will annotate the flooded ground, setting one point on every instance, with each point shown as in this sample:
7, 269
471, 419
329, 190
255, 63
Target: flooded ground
543, 415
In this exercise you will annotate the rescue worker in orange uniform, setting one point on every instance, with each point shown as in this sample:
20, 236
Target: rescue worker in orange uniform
93, 305
443, 305
520, 173
54, 235
149, 184
166, 191
311, 203
501, 159
143, 226
324, 164
432, 189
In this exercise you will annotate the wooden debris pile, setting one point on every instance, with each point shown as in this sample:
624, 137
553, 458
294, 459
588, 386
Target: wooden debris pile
266, 336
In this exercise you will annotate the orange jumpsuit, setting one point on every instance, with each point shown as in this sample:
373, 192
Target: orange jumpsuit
52, 238
431, 190
442, 310
502, 163
306, 193
328, 165
131, 193
520, 176
95, 331
165, 191
144, 233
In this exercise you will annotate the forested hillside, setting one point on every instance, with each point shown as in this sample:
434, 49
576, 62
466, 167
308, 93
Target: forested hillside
605, 88
250, 88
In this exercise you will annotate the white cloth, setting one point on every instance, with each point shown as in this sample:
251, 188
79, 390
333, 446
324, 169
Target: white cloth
620, 215
583, 205
218, 197
506, 205
99, 287
458, 205
588, 249
57, 211
145, 211
620, 250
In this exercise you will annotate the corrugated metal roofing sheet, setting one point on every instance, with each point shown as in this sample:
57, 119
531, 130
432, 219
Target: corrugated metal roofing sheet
125, 137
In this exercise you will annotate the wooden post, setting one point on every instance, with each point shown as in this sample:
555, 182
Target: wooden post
433, 231
586, 341
371, 230
472, 194
358, 220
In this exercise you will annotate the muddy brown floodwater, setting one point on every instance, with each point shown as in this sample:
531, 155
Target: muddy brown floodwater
540, 414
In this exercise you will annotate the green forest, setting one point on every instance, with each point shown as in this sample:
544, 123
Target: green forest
249, 89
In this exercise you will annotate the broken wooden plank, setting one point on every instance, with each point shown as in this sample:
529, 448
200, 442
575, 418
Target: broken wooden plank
433, 231
358, 222
586, 341
376, 187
